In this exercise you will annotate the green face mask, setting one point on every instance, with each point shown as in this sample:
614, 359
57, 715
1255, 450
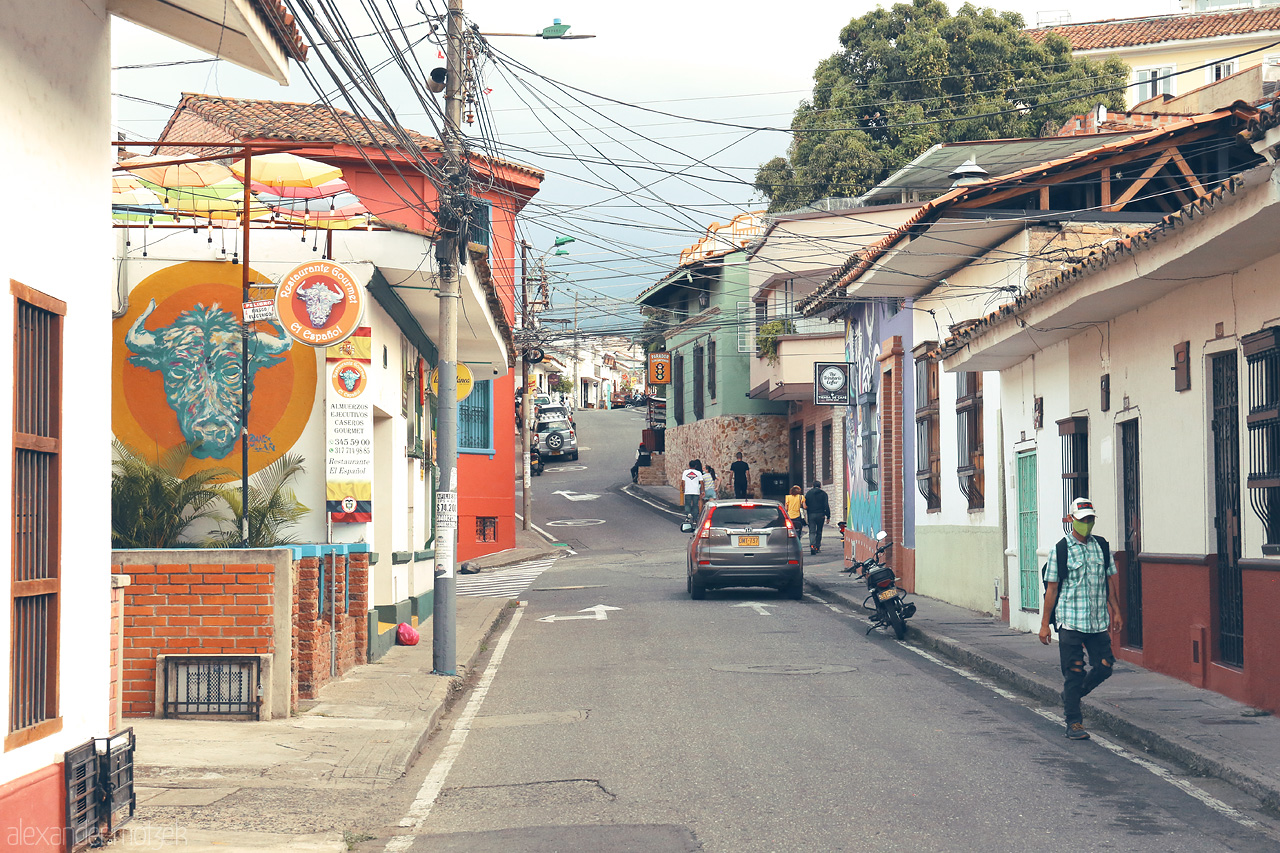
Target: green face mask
1084, 528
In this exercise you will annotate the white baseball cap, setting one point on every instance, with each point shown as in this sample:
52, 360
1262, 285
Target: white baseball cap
1082, 508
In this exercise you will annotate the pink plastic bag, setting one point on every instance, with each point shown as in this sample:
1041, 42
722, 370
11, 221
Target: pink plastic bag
406, 634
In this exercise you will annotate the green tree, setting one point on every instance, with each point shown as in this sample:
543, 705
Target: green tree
656, 323
914, 75
273, 507
151, 504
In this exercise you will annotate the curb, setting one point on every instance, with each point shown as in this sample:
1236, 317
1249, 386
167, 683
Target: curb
1113, 722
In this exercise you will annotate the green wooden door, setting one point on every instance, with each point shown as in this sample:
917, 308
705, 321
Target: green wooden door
1028, 522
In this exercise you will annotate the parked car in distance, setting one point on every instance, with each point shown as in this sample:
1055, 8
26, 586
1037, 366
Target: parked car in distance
541, 400
554, 412
557, 440
744, 543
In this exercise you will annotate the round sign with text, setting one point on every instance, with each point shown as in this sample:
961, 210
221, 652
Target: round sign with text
319, 304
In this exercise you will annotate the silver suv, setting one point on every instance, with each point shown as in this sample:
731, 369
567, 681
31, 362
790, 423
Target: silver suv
557, 440
744, 543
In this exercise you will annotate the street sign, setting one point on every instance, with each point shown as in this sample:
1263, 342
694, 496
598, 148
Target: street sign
262, 309
659, 368
831, 381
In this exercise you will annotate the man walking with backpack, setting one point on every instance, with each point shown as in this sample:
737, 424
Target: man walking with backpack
1082, 599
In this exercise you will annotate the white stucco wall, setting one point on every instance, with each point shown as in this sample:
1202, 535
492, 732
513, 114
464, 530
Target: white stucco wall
56, 116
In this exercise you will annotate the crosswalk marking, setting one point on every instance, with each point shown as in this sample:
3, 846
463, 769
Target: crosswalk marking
506, 582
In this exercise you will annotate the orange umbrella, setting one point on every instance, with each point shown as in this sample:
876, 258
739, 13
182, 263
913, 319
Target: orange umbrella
283, 169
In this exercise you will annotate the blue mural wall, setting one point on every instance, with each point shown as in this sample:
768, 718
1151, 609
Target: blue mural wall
867, 327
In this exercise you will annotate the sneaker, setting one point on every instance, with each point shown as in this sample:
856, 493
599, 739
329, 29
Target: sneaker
1075, 731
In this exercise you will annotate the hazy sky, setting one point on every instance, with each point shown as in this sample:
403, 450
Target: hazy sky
747, 64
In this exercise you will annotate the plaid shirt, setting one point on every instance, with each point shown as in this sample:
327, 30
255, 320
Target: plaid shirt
1082, 601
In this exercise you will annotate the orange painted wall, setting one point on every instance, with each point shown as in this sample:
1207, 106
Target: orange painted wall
33, 812
487, 485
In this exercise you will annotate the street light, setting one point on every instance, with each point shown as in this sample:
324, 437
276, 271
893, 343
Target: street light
525, 347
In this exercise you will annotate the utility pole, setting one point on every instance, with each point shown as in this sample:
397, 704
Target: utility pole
577, 381
526, 405
451, 217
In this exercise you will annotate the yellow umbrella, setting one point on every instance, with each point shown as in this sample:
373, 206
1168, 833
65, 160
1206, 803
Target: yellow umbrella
174, 176
283, 169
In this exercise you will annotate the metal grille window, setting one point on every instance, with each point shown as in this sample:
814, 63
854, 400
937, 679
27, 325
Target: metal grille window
928, 457
699, 383
677, 388
870, 438
486, 529
711, 369
1075, 462
475, 419
35, 518
1262, 352
810, 457
748, 318
212, 686
828, 455
969, 437
481, 229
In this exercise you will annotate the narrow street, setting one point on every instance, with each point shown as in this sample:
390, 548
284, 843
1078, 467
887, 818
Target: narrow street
614, 713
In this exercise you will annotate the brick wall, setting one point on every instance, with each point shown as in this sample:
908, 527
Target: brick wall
814, 418
116, 712
330, 627
762, 439
191, 608
893, 495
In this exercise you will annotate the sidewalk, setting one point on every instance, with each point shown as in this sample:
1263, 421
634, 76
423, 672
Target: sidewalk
1202, 730
205, 786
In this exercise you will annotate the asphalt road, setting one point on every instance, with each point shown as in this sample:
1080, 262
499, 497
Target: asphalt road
747, 722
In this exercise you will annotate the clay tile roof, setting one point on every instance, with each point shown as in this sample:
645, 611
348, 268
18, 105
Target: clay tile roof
287, 120
247, 119
1133, 32
284, 26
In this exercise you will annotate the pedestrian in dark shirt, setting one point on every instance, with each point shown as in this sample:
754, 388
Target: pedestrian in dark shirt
739, 470
819, 510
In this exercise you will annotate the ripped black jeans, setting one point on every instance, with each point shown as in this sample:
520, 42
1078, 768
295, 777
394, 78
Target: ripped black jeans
1072, 646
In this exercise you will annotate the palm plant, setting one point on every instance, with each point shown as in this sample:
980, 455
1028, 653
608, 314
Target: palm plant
152, 505
273, 508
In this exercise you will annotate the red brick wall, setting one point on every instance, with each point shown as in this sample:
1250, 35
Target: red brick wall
314, 634
117, 658
892, 496
204, 608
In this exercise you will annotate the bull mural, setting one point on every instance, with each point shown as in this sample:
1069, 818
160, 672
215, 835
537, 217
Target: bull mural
198, 356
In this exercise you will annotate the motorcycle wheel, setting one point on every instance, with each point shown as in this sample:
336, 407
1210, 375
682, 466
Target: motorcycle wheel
894, 611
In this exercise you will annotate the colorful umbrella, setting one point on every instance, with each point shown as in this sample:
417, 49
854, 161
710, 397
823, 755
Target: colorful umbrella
283, 169
271, 194
155, 171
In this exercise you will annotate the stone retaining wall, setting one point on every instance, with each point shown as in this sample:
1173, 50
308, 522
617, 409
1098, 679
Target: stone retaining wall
762, 440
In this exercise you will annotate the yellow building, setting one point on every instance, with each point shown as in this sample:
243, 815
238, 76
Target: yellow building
1172, 55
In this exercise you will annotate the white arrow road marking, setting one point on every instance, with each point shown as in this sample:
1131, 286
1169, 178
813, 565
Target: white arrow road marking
758, 606
574, 496
599, 612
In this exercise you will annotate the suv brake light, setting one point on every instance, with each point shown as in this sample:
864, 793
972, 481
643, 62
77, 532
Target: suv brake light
791, 528
705, 532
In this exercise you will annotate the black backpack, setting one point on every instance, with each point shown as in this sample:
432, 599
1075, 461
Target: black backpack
1063, 571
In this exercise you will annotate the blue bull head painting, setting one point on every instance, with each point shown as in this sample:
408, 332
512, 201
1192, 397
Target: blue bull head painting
198, 355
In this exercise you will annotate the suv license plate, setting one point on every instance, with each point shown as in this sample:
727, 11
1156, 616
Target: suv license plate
748, 541
886, 594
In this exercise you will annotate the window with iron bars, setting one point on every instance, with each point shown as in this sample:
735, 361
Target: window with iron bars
36, 590
1075, 462
969, 437
928, 456
475, 419
699, 383
870, 437
828, 456
677, 388
486, 528
1262, 354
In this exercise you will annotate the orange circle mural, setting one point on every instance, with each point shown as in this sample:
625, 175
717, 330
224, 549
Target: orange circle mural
176, 374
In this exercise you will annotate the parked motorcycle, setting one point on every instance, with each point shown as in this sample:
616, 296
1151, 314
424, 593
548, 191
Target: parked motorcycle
535, 460
884, 596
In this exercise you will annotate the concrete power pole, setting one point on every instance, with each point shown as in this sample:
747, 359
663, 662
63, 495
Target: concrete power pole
526, 405
451, 214
577, 381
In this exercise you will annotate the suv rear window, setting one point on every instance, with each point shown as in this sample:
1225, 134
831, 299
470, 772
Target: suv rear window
551, 426
735, 515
